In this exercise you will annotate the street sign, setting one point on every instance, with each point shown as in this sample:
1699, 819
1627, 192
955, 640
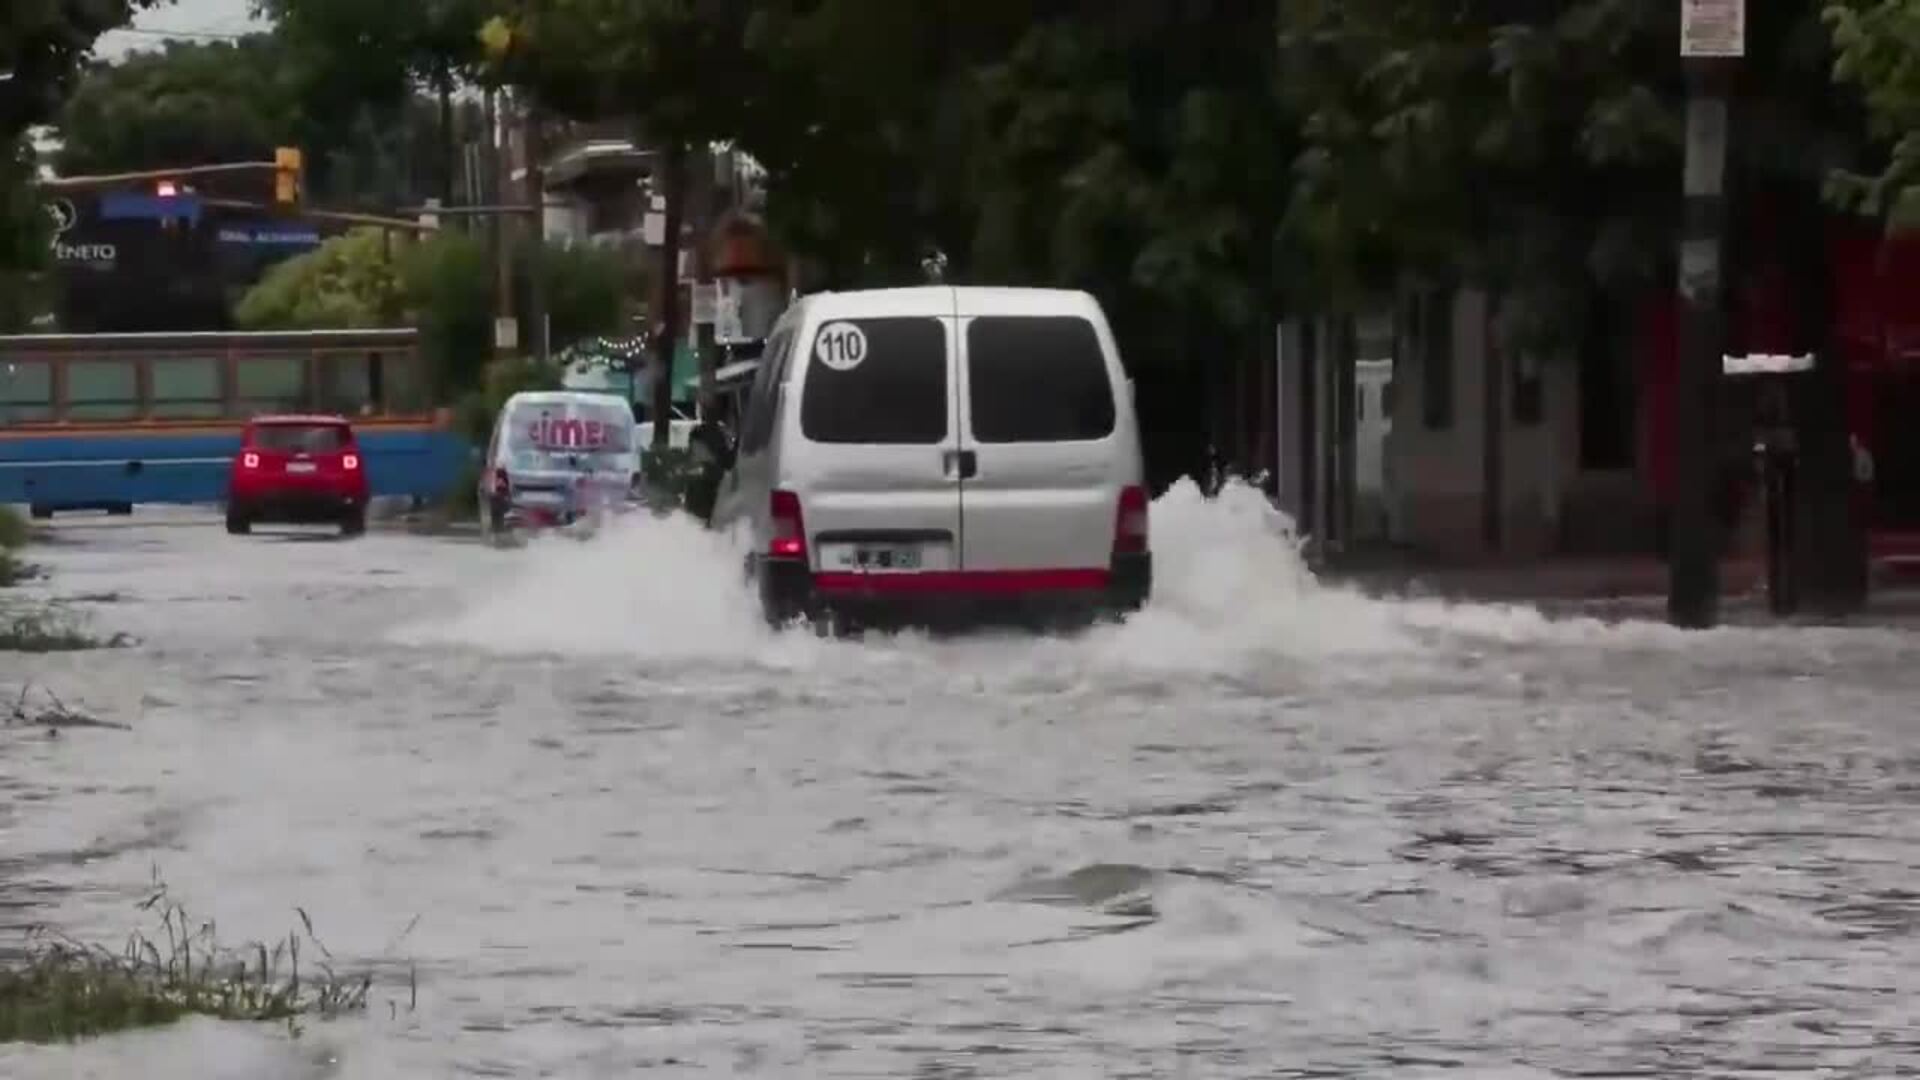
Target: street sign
1766, 364
703, 303
727, 327
1713, 29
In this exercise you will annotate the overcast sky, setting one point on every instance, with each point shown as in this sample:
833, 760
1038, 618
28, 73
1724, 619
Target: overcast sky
200, 19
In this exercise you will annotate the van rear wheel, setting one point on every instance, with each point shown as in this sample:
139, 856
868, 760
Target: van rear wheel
355, 523
237, 523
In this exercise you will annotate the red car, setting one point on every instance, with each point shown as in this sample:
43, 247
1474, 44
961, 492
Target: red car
298, 470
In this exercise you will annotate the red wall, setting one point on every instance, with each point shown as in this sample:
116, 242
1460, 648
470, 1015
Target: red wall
1876, 327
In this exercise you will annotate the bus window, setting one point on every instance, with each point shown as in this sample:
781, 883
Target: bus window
377, 382
346, 384
270, 383
102, 390
186, 388
26, 391
402, 387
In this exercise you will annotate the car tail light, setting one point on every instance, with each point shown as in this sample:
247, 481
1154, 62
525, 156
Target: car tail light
1130, 522
789, 527
249, 460
350, 462
500, 482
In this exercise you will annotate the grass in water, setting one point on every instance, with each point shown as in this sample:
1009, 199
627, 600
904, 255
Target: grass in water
14, 530
62, 991
42, 631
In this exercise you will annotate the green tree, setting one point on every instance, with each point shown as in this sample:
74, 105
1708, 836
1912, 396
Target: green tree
188, 103
42, 46
350, 281
25, 228
1532, 151
448, 288
351, 55
1877, 51
195, 103
443, 284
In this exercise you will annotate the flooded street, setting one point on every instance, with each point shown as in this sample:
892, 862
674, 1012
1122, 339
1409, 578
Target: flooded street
1265, 829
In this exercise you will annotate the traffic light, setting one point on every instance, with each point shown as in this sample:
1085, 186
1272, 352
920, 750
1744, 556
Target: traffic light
287, 180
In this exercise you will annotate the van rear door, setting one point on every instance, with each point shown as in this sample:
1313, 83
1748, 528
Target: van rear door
1052, 440
874, 462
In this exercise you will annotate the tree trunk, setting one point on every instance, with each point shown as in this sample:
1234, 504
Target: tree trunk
667, 322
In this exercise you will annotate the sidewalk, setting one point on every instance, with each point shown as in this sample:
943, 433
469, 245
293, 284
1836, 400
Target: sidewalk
1555, 578
1617, 586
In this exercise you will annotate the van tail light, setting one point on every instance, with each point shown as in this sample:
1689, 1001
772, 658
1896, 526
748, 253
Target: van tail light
501, 484
789, 528
350, 462
1130, 522
249, 460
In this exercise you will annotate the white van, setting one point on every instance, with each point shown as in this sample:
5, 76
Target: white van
556, 457
940, 450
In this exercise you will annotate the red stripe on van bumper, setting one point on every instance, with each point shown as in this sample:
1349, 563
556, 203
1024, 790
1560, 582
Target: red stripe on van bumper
993, 582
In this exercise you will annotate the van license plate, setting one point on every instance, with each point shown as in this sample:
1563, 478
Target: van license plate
880, 559
301, 466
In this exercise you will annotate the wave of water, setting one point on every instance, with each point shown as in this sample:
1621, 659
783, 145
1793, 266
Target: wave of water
1230, 584
1228, 575
1231, 591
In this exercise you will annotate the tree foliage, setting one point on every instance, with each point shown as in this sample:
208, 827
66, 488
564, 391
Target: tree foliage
25, 228
679, 68
44, 43
444, 285
186, 104
192, 103
355, 58
377, 51
1877, 51
348, 282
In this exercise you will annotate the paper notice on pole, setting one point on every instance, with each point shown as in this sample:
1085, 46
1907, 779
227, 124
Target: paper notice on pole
703, 296
1713, 28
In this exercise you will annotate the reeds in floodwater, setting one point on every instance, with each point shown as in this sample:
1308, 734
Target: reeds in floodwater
61, 990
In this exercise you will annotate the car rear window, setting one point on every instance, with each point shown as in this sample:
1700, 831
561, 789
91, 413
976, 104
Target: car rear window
302, 438
1037, 379
880, 380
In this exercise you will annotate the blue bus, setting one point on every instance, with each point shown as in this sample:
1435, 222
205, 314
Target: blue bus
109, 421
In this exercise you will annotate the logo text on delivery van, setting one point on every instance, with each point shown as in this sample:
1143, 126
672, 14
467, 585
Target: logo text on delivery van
570, 433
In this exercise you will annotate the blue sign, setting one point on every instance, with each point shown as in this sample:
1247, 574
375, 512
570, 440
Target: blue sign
120, 206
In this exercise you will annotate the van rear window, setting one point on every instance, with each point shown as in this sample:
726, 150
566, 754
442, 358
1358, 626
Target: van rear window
570, 427
1037, 379
880, 380
301, 438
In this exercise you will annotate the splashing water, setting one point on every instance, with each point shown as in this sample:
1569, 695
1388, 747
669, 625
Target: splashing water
1228, 578
662, 587
1231, 591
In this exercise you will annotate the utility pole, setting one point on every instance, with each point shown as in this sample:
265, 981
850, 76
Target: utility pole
704, 213
1712, 40
537, 319
667, 319
496, 106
